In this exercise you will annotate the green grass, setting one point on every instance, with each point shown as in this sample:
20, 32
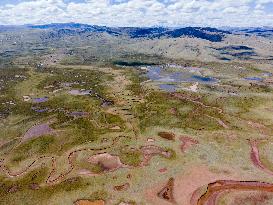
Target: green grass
156, 112
98, 195
132, 158
38, 146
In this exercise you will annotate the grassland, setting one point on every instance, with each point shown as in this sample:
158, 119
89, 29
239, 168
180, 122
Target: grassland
76, 124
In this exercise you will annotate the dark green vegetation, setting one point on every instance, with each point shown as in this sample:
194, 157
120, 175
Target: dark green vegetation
132, 158
134, 63
39, 146
27, 190
157, 112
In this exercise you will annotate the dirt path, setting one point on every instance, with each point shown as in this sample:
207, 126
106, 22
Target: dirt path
195, 101
219, 121
255, 157
51, 180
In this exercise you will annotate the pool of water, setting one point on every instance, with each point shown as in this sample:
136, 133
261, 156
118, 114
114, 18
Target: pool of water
157, 73
254, 79
39, 110
40, 100
168, 87
80, 92
267, 74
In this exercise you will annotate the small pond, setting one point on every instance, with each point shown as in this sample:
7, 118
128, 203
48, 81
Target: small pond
40, 100
158, 73
254, 79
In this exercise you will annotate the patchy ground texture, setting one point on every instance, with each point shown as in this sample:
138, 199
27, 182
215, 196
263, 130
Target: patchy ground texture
136, 130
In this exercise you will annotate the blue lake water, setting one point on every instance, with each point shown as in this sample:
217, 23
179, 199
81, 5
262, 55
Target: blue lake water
40, 100
267, 74
157, 73
168, 87
254, 79
39, 110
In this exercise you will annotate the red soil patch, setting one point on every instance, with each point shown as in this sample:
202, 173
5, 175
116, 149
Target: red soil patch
122, 187
167, 191
216, 188
187, 142
163, 170
255, 157
151, 150
88, 202
37, 131
106, 161
167, 135
186, 190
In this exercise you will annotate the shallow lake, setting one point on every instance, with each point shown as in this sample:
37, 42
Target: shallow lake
40, 100
158, 73
168, 87
254, 79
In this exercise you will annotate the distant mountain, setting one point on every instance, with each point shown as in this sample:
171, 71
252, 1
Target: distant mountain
258, 31
210, 34
70, 29
60, 26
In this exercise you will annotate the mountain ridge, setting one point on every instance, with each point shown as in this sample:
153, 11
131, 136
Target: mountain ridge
206, 33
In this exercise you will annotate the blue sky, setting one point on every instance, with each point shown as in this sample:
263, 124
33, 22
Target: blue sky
215, 13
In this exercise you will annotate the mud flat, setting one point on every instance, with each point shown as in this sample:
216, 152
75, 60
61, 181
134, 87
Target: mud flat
217, 188
106, 161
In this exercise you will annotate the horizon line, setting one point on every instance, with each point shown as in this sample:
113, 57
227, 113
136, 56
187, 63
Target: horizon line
154, 26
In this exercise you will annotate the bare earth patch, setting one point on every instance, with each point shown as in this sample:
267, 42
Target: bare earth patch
107, 161
167, 191
255, 157
188, 187
88, 202
151, 150
122, 187
187, 142
216, 188
167, 135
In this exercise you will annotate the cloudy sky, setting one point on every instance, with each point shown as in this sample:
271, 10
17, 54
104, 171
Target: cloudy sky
176, 13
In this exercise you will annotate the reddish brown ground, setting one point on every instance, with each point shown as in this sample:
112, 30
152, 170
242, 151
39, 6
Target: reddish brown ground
166, 193
187, 185
216, 188
122, 187
167, 135
255, 157
151, 150
187, 142
87, 202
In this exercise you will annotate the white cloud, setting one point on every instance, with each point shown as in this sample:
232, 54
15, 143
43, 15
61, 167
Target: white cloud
141, 12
